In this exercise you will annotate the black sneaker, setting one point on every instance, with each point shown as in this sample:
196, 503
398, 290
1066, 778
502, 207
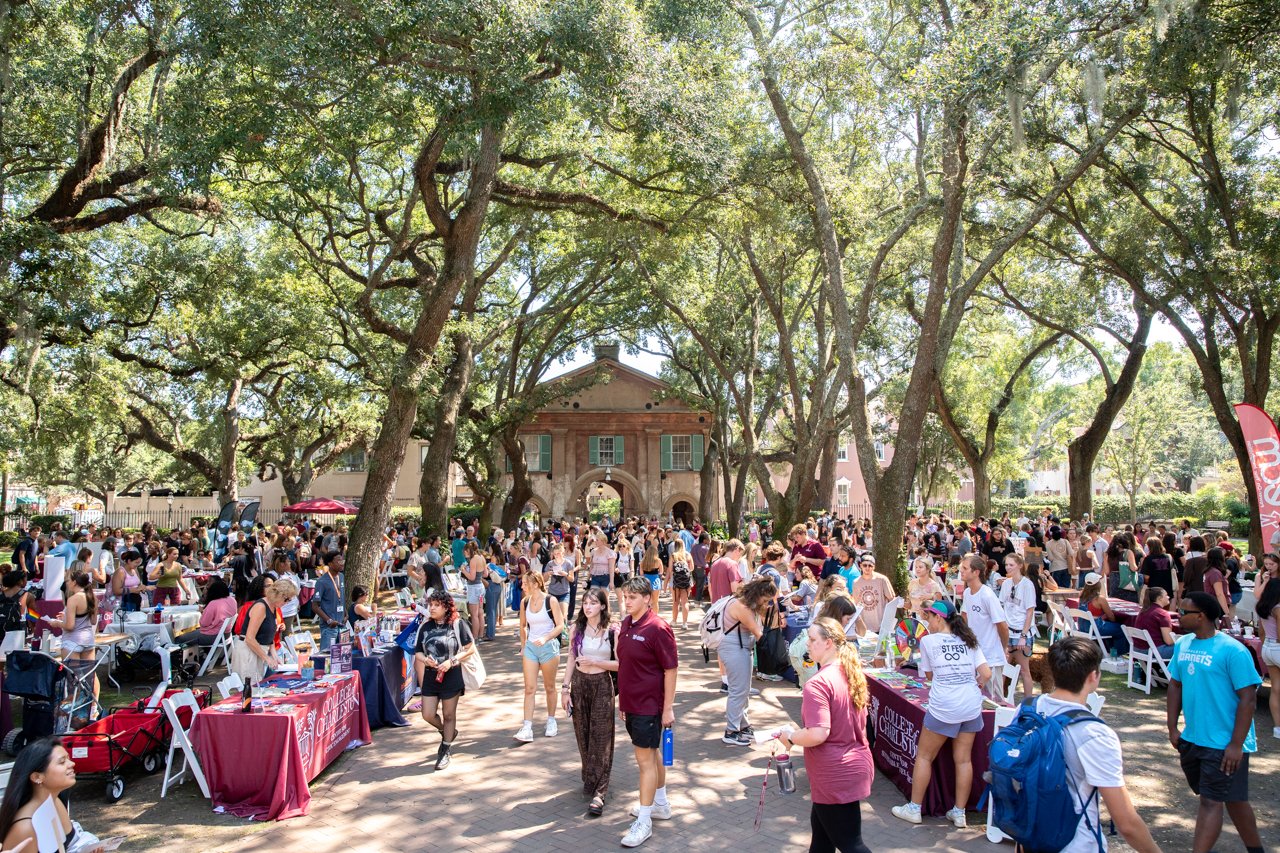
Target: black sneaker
724, 687
735, 739
748, 731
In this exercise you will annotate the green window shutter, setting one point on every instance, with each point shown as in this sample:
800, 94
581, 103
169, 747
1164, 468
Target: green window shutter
617, 450
544, 452
666, 453
695, 452
508, 461
593, 450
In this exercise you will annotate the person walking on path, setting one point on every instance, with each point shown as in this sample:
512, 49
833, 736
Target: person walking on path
985, 616
743, 626
837, 759
541, 623
647, 664
588, 693
951, 655
1018, 600
444, 640
1214, 687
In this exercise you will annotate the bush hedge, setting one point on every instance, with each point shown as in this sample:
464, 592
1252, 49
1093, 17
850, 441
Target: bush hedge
8, 539
46, 521
1205, 505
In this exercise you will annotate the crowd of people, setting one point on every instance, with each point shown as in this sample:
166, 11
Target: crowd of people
591, 594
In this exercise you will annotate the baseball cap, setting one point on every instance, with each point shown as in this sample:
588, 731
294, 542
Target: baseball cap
1092, 578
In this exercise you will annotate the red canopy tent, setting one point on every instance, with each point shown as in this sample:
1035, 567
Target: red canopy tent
321, 506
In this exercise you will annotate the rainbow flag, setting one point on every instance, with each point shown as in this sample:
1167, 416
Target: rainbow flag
32, 615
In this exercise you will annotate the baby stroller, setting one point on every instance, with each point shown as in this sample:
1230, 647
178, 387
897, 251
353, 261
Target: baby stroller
56, 699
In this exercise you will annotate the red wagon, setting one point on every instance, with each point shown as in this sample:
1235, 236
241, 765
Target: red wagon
130, 733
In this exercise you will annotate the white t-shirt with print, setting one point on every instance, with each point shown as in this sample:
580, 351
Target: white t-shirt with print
984, 612
954, 695
1092, 752
1016, 600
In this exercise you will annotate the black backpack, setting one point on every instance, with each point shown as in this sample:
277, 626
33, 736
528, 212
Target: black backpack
771, 649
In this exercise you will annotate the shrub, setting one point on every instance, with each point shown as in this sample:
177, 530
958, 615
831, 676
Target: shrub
8, 539
469, 513
46, 521
1240, 526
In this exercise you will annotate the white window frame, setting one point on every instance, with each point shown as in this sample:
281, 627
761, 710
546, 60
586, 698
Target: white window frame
842, 452
879, 451
605, 451
343, 468
682, 458
842, 494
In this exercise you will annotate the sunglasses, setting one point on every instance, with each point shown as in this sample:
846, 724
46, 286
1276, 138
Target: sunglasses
1183, 612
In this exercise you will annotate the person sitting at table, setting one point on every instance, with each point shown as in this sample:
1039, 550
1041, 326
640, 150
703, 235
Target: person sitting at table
1155, 619
42, 772
253, 654
362, 607
444, 640
1094, 602
79, 623
954, 666
923, 589
165, 575
13, 600
125, 590
839, 608
219, 606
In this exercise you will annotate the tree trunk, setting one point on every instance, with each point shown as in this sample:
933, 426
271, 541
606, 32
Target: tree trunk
825, 497
889, 509
438, 295
981, 490
1083, 450
521, 485
707, 482
297, 483
433, 487
739, 495
228, 484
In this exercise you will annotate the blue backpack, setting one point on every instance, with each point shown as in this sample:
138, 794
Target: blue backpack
1031, 785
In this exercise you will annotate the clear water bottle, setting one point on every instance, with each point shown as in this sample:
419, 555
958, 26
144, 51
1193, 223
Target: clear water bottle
1235, 626
786, 773
668, 747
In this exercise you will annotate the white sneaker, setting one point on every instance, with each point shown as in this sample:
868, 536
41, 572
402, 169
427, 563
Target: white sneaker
525, 735
957, 818
659, 812
1275, 732
638, 834
909, 812
552, 727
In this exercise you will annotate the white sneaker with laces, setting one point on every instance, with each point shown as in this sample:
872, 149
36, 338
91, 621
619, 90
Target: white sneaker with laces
1275, 732
957, 818
638, 834
552, 727
660, 812
909, 812
525, 735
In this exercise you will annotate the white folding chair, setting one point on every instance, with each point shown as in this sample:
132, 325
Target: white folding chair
1012, 673
233, 683
181, 740
1147, 661
290, 645
404, 597
1075, 618
221, 646
1095, 701
1058, 624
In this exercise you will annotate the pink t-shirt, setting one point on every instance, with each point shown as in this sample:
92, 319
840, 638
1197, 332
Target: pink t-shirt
215, 613
841, 769
724, 573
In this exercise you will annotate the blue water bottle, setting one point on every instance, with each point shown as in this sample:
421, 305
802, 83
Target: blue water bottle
668, 747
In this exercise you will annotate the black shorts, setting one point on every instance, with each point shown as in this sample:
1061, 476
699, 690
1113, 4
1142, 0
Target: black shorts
1203, 768
645, 730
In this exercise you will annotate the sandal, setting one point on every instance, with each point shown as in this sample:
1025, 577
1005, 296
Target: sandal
597, 806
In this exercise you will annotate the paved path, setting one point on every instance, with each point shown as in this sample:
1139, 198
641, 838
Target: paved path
499, 795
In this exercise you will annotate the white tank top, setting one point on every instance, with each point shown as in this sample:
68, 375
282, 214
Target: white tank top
624, 562
595, 649
539, 622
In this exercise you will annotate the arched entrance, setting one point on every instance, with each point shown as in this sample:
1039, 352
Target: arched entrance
601, 499
683, 511
535, 509
627, 486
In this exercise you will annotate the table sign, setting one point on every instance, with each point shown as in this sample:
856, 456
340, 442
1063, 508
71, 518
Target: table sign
340, 658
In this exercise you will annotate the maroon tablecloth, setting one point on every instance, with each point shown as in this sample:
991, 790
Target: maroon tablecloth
897, 712
1126, 612
258, 765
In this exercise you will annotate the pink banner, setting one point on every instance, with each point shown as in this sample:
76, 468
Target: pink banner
1264, 455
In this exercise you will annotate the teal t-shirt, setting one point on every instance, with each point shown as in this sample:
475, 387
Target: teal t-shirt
1211, 671
850, 576
456, 547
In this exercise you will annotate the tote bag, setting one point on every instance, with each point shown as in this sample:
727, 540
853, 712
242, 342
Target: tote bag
473, 673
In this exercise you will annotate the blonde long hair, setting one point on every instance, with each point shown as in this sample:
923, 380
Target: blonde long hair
832, 631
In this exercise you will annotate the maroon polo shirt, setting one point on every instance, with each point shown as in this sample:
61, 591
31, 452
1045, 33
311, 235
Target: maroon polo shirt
812, 549
646, 649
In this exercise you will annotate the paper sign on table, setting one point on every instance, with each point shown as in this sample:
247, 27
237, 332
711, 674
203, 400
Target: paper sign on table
340, 658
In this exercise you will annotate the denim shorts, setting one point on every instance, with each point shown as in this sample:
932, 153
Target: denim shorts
545, 653
475, 593
599, 580
935, 725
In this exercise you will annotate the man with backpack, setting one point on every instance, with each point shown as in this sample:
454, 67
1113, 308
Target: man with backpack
1056, 732
1214, 687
